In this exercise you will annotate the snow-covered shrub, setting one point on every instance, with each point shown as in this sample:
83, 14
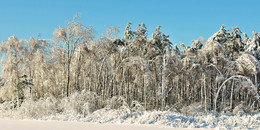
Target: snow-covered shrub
39, 108
83, 102
115, 102
195, 109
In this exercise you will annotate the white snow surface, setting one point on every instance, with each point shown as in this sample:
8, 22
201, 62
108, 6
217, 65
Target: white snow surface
161, 118
7, 124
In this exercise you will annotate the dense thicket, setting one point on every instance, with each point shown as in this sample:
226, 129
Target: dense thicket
220, 73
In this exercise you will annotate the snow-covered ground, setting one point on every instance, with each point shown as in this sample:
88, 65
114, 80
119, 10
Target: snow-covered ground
119, 118
76, 111
8, 124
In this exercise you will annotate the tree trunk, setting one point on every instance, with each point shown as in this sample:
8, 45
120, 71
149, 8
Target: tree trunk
205, 92
68, 79
231, 96
164, 82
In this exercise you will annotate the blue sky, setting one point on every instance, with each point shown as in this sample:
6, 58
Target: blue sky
183, 20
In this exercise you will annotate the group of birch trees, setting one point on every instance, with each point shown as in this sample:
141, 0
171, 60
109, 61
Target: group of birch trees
219, 73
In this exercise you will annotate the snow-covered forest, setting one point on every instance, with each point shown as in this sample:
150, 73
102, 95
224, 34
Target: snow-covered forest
76, 73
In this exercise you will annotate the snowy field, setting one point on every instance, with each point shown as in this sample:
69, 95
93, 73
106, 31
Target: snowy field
127, 120
8, 124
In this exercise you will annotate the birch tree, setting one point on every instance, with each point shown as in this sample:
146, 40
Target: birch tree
12, 62
68, 39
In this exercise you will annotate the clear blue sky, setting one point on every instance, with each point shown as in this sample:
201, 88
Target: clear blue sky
183, 20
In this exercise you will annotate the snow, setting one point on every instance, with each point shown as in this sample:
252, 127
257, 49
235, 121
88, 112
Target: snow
76, 111
154, 118
7, 124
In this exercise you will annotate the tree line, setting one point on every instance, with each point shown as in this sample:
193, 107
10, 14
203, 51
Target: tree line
219, 73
